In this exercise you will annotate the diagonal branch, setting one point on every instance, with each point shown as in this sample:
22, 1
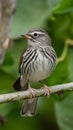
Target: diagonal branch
38, 92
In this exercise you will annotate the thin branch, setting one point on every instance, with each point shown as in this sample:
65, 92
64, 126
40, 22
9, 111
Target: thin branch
38, 92
64, 53
68, 42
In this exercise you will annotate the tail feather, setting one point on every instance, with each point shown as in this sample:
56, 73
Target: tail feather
29, 107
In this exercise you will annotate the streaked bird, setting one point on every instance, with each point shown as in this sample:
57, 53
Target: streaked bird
37, 63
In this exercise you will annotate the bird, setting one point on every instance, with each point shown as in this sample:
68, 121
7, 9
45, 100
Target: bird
37, 63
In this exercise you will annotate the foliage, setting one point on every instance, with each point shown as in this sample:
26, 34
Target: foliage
57, 18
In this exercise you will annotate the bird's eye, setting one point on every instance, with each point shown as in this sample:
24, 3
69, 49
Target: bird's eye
35, 34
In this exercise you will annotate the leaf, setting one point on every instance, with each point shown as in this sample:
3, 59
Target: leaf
64, 108
64, 112
53, 4
64, 7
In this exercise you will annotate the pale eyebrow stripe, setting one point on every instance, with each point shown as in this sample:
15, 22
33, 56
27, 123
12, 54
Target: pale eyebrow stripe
37, 32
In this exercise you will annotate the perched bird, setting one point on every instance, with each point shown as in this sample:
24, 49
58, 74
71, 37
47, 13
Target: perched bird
37, 63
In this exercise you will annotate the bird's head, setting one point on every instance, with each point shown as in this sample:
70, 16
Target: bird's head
37, 37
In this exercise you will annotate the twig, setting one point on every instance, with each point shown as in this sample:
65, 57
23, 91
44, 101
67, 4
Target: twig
38, 92
64, 53
68, 42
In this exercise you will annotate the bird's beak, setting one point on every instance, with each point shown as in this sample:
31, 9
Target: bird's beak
26, 36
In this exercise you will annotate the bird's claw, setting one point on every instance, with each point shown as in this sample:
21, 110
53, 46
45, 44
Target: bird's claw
32, 94
47, 91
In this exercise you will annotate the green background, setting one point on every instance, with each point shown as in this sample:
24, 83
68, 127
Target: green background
56, 17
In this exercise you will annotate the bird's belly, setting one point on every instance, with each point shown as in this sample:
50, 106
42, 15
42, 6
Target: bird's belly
41, 69
38, 76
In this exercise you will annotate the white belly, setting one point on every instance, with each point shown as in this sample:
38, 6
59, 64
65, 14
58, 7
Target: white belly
43, 67
38, 76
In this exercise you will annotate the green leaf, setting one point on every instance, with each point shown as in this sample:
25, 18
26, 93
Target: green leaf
64, 107
64, 7
53, 4
64, 112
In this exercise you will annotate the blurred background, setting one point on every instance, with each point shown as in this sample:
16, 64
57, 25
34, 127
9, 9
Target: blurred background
16, 18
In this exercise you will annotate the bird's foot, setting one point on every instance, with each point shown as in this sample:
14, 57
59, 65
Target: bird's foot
32, 94
47, 90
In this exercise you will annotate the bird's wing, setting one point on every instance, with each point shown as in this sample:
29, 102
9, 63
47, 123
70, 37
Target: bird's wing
21, 58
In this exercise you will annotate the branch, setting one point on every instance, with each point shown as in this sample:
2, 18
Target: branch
63, 55
68, 42
38, 92
7, 9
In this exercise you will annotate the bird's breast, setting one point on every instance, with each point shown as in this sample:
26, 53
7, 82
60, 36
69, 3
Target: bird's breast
40, 68
39, 65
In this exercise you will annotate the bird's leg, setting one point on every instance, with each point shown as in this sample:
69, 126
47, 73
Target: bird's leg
32, 94
47, 90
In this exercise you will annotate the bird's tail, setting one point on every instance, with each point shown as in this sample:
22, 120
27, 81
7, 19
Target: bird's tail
29, 107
